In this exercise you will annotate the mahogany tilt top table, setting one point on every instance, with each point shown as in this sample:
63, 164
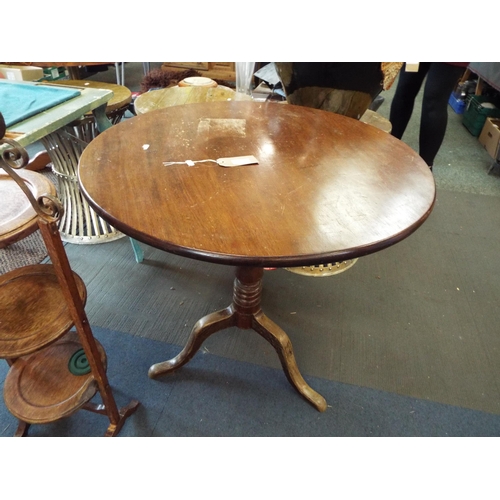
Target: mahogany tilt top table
325, 188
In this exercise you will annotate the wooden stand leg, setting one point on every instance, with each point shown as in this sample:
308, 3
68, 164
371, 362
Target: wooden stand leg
124, 413
77, 311
22, 429
245, 312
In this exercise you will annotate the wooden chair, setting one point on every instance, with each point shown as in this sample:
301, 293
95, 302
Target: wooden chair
53, 371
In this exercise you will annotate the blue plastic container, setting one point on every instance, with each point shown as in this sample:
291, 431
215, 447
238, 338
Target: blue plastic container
458, 105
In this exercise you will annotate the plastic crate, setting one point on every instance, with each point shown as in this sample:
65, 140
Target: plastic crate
53, 73
458, 105
475, 113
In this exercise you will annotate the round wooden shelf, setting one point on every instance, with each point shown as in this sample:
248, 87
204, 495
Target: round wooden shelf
18, 219
40, 388
33, 310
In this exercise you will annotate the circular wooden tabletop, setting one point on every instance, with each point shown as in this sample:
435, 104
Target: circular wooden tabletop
326, 187
121, 94
175, 96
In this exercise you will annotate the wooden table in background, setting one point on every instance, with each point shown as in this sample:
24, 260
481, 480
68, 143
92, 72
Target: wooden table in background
176, 96
326, 188
122, 96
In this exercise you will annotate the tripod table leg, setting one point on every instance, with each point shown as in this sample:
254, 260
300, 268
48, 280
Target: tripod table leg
245, 312
205, 327
283, 346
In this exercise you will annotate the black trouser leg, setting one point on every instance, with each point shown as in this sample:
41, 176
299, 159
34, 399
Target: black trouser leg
409, 84
441, 79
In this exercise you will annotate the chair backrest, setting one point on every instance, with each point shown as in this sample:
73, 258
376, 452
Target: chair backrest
346, 88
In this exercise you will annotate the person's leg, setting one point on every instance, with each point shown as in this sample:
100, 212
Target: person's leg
441, 80
409, 83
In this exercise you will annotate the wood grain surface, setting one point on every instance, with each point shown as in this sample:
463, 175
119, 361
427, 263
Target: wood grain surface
121, 94
33, 309
326, 188
175, 96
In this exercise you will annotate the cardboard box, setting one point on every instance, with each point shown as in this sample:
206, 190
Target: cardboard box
21, 73
490, 136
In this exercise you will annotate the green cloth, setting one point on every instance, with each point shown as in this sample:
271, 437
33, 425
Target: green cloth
21, 100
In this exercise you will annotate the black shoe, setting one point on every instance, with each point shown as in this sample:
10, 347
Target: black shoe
376, 103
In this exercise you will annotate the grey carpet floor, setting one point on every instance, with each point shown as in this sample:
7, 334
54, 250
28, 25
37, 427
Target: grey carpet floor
217, 396
30, 250
418, 319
